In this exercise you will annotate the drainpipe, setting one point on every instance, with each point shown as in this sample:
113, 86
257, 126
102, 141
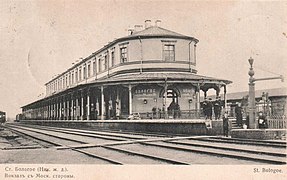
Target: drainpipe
189, 64
108, 59
141, 68
195, 53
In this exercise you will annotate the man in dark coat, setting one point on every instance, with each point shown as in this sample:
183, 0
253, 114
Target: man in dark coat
225, 124
204, 108
238, 113
262, 121
217, 108
209, 109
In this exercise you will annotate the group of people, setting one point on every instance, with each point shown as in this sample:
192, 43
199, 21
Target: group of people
208, 106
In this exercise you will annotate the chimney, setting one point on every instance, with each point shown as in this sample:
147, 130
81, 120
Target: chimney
147, 23
138, 28
130, 31
157, 23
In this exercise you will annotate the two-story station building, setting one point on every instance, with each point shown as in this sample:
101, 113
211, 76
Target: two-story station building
152, 71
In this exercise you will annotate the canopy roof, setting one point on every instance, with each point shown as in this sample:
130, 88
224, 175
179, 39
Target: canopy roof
159, 76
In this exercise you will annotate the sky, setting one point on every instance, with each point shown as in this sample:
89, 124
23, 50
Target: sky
40, 39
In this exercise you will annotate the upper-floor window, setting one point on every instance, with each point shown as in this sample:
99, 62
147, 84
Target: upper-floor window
106, 62
84, 72
63, 82
76, 75
89, 70
124, 53
168, 52
113, 57
80, 74
72, 77
100, 64
94, 67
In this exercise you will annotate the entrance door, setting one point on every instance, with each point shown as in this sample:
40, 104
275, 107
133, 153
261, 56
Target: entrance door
173, 108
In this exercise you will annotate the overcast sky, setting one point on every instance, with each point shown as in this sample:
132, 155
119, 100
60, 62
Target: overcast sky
41, 39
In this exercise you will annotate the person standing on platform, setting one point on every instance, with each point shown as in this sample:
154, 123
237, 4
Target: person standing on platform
217, 108
204, 108
209, 109
118, 111
262, 120
238, 113
225, 124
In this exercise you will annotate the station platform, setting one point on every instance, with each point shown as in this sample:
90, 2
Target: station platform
163, 126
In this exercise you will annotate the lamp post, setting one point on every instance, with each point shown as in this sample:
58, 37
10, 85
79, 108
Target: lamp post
251, 100
251, 103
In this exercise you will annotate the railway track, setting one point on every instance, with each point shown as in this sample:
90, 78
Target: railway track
124, 148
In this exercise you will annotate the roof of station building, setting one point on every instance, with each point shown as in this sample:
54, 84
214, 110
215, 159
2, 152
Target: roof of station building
154, 31
170, 76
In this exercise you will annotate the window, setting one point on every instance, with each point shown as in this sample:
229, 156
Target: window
72, 77
69, 79
113, 57
94, 67
106, 62
168, 52
89, 70
80, 74
100, 64
76, 75
85, 72
124, 54
66, 81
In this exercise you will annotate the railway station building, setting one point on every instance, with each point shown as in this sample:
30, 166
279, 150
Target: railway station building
151, 72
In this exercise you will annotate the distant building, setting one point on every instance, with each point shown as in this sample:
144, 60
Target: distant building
152, 71
271, 101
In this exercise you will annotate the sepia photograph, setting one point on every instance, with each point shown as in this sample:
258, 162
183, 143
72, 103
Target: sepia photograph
144, 89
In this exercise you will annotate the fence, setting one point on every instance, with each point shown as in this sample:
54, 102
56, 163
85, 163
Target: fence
276, 122
184, 114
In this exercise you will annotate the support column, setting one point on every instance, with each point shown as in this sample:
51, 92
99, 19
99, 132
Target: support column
77, 108
48, 110
102, 103
165, 97
56, 109
72, 108
68, 109
64, 108
225, 99
118, 105
88, 106
130, 100
252, 106
198, 101
82, 106
60, 110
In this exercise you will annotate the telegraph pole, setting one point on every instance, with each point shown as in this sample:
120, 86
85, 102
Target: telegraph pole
251, 100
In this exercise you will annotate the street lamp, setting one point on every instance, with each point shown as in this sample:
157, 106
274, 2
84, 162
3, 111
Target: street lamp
251, 100
251, 104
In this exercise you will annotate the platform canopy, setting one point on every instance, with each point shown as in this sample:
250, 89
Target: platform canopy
204, 82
